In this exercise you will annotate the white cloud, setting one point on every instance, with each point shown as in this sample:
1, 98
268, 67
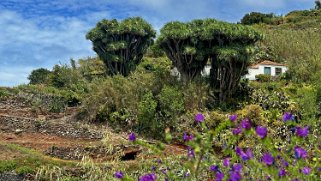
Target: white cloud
12, 76
24, 43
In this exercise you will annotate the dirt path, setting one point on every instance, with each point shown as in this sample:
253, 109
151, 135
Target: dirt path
58, 135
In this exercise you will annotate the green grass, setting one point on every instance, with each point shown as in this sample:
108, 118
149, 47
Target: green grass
30, 161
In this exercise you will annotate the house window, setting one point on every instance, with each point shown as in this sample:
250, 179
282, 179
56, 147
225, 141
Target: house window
267, 70
278, 71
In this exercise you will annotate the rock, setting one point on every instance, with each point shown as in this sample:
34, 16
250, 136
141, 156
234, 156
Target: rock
11, 176
18, 131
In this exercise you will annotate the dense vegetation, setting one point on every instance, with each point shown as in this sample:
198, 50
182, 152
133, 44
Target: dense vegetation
233, 129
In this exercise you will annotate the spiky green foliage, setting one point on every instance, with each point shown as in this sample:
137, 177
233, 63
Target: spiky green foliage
121, 45
190, 45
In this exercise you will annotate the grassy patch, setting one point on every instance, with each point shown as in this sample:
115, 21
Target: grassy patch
30, 161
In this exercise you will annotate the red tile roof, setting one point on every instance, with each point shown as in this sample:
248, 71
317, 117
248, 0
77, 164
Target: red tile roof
266, 62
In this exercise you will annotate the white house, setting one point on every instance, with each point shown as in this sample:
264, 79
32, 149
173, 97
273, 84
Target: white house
266, 67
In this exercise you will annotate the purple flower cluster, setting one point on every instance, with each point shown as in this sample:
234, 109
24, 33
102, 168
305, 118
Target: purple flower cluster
199, 118
261, 131
245, 124
302, 132
187, 137
119, 175
148, 177
287, 116
244, 155
132, 137
235, 169
233, 117
268, 159
190, 152
300, 152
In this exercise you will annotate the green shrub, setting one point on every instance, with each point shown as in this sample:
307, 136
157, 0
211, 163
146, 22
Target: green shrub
307, 101
39, 76
4, 94
63, 76
147, 119
263, 78
171, 101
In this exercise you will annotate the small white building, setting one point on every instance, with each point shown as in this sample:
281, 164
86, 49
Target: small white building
266, 67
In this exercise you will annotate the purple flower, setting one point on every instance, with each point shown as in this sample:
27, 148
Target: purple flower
226, 162
300, 152
190, 152
268, 159
282, 172
287, 116
306, 170
199, 117
233, 117
246, 124
237, 167
302, 132
261, 131
132, 137
148, 177
235, 176
219, 176
244, 155
187, 137
159, 161
154, 168
236, 131
164, 171
284, 163
119, 175
214, 168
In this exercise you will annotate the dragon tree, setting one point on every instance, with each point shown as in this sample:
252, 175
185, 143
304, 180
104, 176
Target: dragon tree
121, 45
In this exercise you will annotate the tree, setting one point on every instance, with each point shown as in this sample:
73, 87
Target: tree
182, 45
234, 46
190, 45
256, 18
121, 45
39, 76
317, 4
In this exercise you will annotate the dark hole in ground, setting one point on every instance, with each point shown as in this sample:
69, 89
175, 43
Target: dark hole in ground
129, 156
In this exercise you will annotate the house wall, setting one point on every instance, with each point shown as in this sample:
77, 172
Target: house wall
253, 72
251, 75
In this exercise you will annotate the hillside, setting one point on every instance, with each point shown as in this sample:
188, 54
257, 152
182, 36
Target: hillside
295, 40
124, 115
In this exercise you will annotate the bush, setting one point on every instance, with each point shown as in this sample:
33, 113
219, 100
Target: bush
47, 98
39, 76
4, 94
263, 78
147, 116
256, 18
171, 101
63, 76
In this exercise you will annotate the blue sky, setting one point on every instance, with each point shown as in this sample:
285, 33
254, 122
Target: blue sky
42, 33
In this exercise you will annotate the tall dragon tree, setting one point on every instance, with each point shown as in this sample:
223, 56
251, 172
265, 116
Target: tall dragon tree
228, 46
230, 57
180, 43
121, 45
